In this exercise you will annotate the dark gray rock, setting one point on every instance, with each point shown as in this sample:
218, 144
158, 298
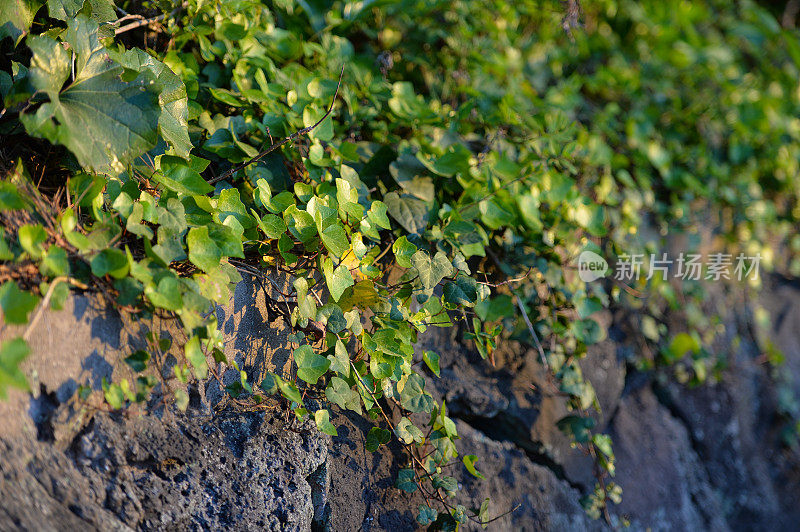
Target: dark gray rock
664, 484
235, 472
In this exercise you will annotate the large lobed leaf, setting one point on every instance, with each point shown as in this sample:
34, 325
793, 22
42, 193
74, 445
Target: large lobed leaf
106, 120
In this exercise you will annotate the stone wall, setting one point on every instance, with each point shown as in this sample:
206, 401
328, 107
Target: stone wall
703, 458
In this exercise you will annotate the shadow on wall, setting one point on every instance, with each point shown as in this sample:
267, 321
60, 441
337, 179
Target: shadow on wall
87, 342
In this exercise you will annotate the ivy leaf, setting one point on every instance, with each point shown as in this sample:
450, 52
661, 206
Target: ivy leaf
426, 515
271, 225
300, 223
408, 432
469, 463
335, 239
377, 214
338, 280
203, 252
460, 512
494, 215
195, 355
17, 17
462, 292
110, 261
448, 484
483, 513
405, 480
432, 361
166, 294
179, 176
377, 437
105, 121
340, 393
403, 251
138, 360
226, 239
310, 366
323, 420
431, 272
288, 390
181, 399
587, 331
172, 99
114, 395
413, 396
12, 353
454, 160
55, 262
340, 362
577, 427
32, 238
102, 10
411, 213
10, 198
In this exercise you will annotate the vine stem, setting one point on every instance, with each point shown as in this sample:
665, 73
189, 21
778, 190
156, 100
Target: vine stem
146, 21
290, 138
46, 300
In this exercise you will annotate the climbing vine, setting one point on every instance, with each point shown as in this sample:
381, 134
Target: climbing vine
405, 165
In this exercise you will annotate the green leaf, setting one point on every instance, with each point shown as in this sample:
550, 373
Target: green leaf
338, 280
114, 395
377, 214
426, 515
203, 252
335, 239
16, 18
227, 240
55, 262
462, 292
406, 480
323, 420
432, 361
12, 353
195, 355
577, 427
10, 198
469, 462
340, 393
340, 362
411, 213
16, 304
310, 366
138, 360
105, 121
32, 239
413, 396
271, 225
167, 294
403, 251
495, 215
408, 432
431, 272
172, 98
110, 261
454, 160
300, 223
288, 390
377, 437
178, 175
588, 331
181, 399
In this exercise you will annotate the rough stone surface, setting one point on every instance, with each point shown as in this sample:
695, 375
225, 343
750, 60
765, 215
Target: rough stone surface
234, 472
706, 458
